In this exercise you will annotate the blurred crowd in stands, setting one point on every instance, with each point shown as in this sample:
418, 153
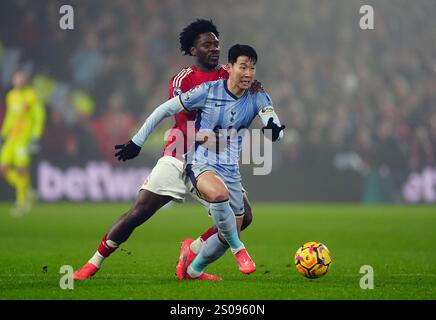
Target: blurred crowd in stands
368, 96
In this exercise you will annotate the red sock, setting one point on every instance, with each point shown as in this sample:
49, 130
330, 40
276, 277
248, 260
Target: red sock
104, 248
208, 233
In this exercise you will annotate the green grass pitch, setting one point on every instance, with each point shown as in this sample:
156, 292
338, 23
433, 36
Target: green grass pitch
397, 241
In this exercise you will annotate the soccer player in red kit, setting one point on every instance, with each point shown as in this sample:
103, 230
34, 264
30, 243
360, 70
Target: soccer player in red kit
167, 181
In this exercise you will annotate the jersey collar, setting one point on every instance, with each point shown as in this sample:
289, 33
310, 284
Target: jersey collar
231, 94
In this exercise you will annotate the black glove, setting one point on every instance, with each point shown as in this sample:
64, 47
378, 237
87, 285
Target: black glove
127, 151
274, 127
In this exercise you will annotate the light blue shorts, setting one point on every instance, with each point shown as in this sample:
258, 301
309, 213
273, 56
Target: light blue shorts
236, 191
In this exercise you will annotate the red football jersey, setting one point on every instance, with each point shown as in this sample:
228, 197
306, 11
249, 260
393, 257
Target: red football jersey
185, 80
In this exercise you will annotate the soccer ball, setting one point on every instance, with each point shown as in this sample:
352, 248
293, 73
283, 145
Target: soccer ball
313, 260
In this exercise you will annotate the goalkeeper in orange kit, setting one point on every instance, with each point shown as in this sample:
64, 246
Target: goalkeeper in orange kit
20, 133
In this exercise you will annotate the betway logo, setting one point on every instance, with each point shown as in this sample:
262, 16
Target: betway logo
97, 181
421, 187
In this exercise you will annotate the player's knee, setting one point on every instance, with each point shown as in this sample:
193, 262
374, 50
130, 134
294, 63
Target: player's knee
212, 188
219, 195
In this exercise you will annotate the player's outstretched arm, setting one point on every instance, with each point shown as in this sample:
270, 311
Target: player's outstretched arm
132, 148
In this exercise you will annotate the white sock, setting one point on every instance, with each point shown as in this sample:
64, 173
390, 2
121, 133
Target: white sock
196, 245
193, 273
97, 259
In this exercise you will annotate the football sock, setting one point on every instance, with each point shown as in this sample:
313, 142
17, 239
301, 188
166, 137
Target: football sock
208, 233
97, 259
192, 272
196, 245
21, 187
212, 249
105, 248
224, 219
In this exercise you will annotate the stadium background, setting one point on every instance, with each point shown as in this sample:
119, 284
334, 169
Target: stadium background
360, 106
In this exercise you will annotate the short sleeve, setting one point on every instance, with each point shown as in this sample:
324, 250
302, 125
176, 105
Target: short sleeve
178, 84
264, 103
195, 98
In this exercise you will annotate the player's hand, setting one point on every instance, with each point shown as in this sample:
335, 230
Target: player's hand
211, 140
256, 86
274, 127
2, 141
34, 146
127, 151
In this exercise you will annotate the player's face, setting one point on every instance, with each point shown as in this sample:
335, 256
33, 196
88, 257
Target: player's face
242, 72
19, 80
207, 50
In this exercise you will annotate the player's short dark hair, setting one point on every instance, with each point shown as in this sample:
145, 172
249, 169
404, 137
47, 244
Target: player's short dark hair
189, 35
242, 50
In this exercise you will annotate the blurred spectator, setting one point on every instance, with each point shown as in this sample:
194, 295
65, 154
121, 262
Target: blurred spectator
113, 127
337, 88
422, 149
59, 141
87, 62
84, 107
390, 160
